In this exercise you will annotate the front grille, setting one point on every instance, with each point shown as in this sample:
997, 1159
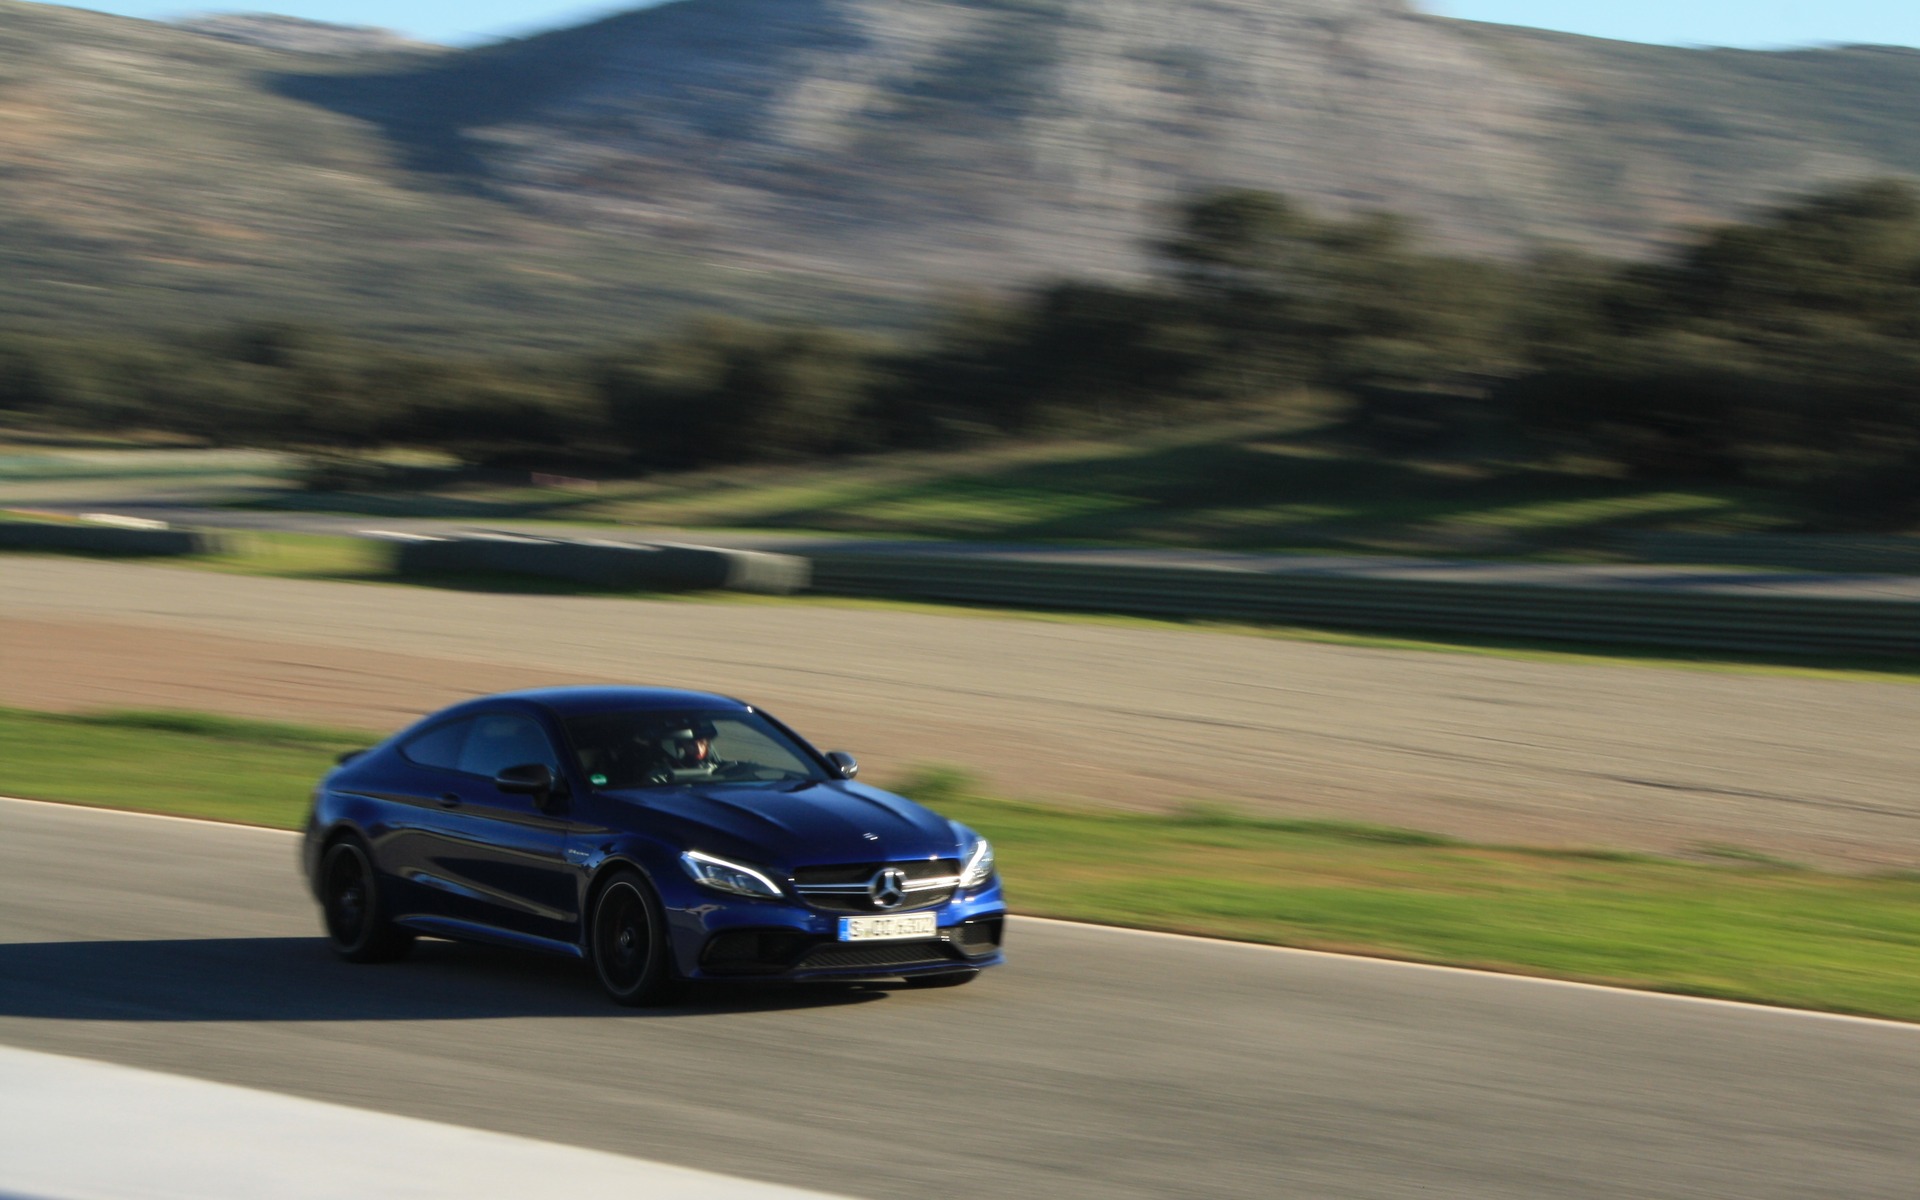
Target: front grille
916, 870
842, 888
863, 903
885, 955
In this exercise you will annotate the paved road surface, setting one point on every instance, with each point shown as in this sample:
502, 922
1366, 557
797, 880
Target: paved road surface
1818, 770
1098, 1064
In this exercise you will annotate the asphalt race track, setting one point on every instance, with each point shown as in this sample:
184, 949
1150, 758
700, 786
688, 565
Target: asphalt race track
1100, 1063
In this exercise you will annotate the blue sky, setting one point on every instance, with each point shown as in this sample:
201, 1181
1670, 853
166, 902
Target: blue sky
1760, 23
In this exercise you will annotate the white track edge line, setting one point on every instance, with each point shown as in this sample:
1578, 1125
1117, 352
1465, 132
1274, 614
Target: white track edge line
81, 806
1475, 972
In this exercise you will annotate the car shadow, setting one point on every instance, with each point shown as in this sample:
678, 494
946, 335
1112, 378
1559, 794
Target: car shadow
298, 979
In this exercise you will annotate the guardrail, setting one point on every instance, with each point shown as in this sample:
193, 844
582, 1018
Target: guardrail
1773, 624
106, 539
663, 567
1696, 618
1787, 551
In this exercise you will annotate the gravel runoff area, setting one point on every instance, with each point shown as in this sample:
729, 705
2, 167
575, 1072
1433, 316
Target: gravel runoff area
1649, 758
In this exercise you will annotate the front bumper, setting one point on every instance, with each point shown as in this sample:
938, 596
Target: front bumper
773, 940
786, 954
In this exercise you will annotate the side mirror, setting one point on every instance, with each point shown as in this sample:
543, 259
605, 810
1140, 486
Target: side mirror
348, 757
533, 779
843, 762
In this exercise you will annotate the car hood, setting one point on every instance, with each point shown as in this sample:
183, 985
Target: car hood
811, 824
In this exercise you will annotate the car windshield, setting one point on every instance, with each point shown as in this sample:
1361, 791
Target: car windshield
661, 749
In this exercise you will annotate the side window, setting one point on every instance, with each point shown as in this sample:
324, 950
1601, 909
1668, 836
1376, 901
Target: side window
439, 746
506, 740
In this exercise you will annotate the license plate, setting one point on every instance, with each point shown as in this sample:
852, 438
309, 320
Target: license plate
882, 929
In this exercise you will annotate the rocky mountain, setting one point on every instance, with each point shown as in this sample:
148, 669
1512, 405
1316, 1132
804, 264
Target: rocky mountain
154, 178
869, 150
297, 35
946, 139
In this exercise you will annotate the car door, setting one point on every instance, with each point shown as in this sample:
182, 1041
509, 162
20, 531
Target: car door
418, 814
499, 859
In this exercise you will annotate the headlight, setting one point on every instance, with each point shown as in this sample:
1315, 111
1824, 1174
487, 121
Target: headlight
724, 876
979, 863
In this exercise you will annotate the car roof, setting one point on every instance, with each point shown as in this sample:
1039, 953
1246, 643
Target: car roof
574, 701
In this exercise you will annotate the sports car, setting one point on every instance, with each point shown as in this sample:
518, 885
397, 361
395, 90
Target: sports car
660, 835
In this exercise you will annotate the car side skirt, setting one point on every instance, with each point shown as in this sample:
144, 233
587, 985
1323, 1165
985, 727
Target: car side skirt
473, 931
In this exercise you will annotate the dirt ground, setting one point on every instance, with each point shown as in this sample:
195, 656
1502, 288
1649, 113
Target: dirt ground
1821, 771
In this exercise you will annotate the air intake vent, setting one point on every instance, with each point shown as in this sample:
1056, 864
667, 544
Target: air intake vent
899, 954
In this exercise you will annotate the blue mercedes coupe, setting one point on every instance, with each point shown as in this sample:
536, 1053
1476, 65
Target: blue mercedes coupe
662, 836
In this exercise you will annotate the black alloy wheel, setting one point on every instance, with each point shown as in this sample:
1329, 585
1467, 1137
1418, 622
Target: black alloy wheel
357, 929
629, 941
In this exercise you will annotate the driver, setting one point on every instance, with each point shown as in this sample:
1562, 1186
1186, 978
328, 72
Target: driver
689, 747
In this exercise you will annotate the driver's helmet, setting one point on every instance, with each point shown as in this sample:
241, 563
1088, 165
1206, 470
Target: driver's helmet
689, 744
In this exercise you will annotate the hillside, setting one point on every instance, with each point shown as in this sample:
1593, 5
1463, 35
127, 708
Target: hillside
942, 139
151, 178
850, 153
299, 35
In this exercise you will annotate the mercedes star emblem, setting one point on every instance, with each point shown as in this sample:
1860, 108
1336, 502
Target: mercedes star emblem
888, 887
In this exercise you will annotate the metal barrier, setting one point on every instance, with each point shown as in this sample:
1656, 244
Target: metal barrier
1696, 619
1786, 551
106, 539
664, 567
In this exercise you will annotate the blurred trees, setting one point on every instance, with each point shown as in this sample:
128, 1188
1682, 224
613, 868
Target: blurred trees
1290, 298
727, 391
27, 380
1784, 352
1066, 357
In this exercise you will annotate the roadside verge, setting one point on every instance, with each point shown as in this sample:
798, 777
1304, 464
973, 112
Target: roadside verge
1731, 925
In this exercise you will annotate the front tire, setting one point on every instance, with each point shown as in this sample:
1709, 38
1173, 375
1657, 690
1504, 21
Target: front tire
350, 904
629, 943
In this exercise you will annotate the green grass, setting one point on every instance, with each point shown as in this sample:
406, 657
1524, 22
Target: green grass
71, 469
1269, 482
1734, 925
1286, 481
300, 556
277, 555
184, 763
1752, 929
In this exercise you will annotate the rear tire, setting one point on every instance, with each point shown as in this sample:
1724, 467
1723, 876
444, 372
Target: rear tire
628, 943
351, 906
